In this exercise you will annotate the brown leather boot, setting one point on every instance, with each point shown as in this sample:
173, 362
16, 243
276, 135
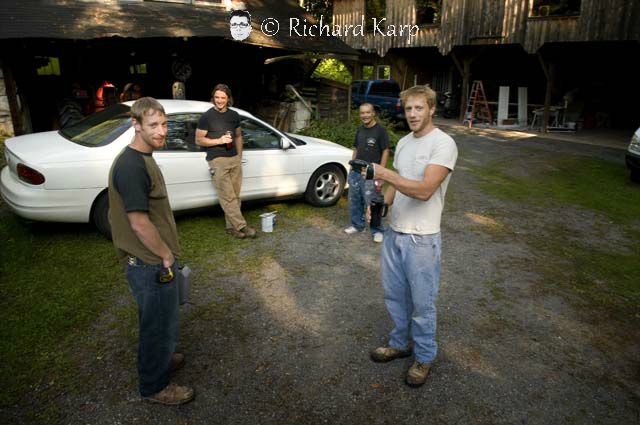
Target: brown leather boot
386, 354
172, 395
237, 233
417, 374
248, 231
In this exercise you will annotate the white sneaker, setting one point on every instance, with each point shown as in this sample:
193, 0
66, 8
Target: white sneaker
378, 237
351, 230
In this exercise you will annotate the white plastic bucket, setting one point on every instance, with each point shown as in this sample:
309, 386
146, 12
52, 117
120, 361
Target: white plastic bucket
268, 220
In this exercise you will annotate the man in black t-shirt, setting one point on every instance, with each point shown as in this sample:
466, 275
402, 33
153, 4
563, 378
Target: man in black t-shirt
145, 236
372, 145
220, 134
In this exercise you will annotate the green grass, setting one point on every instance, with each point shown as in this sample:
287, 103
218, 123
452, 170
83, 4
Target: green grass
573, 180
58, 281
601, 275
497, 292
54, 283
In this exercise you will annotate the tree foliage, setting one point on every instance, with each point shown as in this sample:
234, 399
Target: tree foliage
319, 8
333, 69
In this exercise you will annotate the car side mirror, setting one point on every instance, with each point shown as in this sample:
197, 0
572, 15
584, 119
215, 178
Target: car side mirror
285, 143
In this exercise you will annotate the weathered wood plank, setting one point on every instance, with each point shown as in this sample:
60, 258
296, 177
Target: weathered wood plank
465, 22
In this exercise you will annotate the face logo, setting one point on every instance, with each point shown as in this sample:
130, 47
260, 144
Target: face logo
240, 25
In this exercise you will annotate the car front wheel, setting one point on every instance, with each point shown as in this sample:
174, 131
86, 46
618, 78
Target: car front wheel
326, 186
100, 215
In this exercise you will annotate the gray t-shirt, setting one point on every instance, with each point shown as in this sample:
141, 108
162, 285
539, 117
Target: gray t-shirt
412, 157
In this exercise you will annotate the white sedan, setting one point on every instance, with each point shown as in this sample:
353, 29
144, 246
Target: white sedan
61, 176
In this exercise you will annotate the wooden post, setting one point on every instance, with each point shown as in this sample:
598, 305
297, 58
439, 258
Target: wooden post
466, 77
404, 77
465, 71
549, 72
523, 101
12, 98
503, 104
349, 104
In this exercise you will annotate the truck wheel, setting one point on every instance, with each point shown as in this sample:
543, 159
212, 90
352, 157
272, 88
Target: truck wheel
100, 215
325, 186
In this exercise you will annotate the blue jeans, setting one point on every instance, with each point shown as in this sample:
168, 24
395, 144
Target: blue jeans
158, 316
410, 269
361, 192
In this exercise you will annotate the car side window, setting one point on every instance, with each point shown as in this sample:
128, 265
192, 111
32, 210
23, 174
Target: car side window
256, 136
181, 133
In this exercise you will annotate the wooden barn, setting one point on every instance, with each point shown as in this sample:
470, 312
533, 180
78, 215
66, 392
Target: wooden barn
87, 52
576, 55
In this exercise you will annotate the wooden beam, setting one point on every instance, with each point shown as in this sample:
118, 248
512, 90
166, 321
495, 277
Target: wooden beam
466, 77
457, 63
404, 76
547, 97
543, 65
549, 72
12, 97
312, 69
349, 104
465, 72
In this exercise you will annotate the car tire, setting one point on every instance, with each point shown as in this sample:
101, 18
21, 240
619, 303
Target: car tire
325, 186
100, 215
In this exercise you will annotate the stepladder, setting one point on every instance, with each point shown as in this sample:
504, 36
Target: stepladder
477, 106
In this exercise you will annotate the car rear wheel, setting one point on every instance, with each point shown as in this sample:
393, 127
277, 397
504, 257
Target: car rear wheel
100, 215
326, 186
635, 176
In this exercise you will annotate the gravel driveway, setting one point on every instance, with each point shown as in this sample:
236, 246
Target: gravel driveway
285, 340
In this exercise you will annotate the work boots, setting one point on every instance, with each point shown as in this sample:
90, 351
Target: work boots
172, 395
386, 354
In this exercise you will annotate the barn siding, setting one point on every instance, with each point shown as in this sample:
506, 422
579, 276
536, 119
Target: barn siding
469, 22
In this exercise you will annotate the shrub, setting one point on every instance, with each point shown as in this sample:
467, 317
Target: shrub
342, 130
2, 139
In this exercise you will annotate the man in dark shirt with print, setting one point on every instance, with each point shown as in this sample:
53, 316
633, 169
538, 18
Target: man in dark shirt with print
371, 145
145, 236
220, 134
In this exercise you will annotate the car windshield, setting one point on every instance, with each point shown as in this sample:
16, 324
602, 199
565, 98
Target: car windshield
101, 128
385, 88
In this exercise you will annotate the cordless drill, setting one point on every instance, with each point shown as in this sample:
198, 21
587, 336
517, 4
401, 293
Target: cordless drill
360, 165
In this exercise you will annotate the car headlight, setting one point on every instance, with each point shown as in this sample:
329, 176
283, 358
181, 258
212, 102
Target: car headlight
634, 146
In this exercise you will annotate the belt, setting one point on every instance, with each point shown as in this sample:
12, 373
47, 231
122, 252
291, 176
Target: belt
135, 261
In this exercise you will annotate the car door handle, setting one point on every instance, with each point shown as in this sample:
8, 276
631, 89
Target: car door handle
244, 161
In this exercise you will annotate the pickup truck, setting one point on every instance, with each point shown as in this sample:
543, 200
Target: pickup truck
384, 95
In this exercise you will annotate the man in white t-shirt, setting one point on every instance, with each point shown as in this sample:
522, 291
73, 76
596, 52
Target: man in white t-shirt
410, 262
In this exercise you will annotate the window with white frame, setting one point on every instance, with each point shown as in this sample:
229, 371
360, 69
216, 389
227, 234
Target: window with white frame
383, 72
